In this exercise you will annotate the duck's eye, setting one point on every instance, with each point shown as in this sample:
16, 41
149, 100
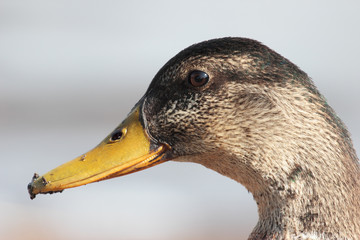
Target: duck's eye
117, 134
198, 78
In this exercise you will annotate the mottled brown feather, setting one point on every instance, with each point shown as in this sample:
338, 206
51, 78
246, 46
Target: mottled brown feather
261, 121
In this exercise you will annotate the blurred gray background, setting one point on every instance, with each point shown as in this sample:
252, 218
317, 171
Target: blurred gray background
71, 70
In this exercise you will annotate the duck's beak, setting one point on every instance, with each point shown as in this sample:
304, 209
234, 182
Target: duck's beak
126, 150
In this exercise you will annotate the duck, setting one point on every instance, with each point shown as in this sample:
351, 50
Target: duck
239, 108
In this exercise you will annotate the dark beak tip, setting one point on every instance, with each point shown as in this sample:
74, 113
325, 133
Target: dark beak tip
30, 186
30, 190
36, 182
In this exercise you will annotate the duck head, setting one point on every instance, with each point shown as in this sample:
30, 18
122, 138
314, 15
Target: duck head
241, 109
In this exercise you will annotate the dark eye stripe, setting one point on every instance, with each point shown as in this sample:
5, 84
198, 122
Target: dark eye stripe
198, 78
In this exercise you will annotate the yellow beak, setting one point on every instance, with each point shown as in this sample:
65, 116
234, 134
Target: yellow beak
125, 151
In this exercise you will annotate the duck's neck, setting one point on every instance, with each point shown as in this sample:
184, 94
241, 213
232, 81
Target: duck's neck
302, 201
310, 204
309, 186
304, 189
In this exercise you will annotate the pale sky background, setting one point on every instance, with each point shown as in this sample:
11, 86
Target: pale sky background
70, 70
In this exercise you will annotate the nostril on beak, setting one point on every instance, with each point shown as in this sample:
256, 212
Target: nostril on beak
118, 134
